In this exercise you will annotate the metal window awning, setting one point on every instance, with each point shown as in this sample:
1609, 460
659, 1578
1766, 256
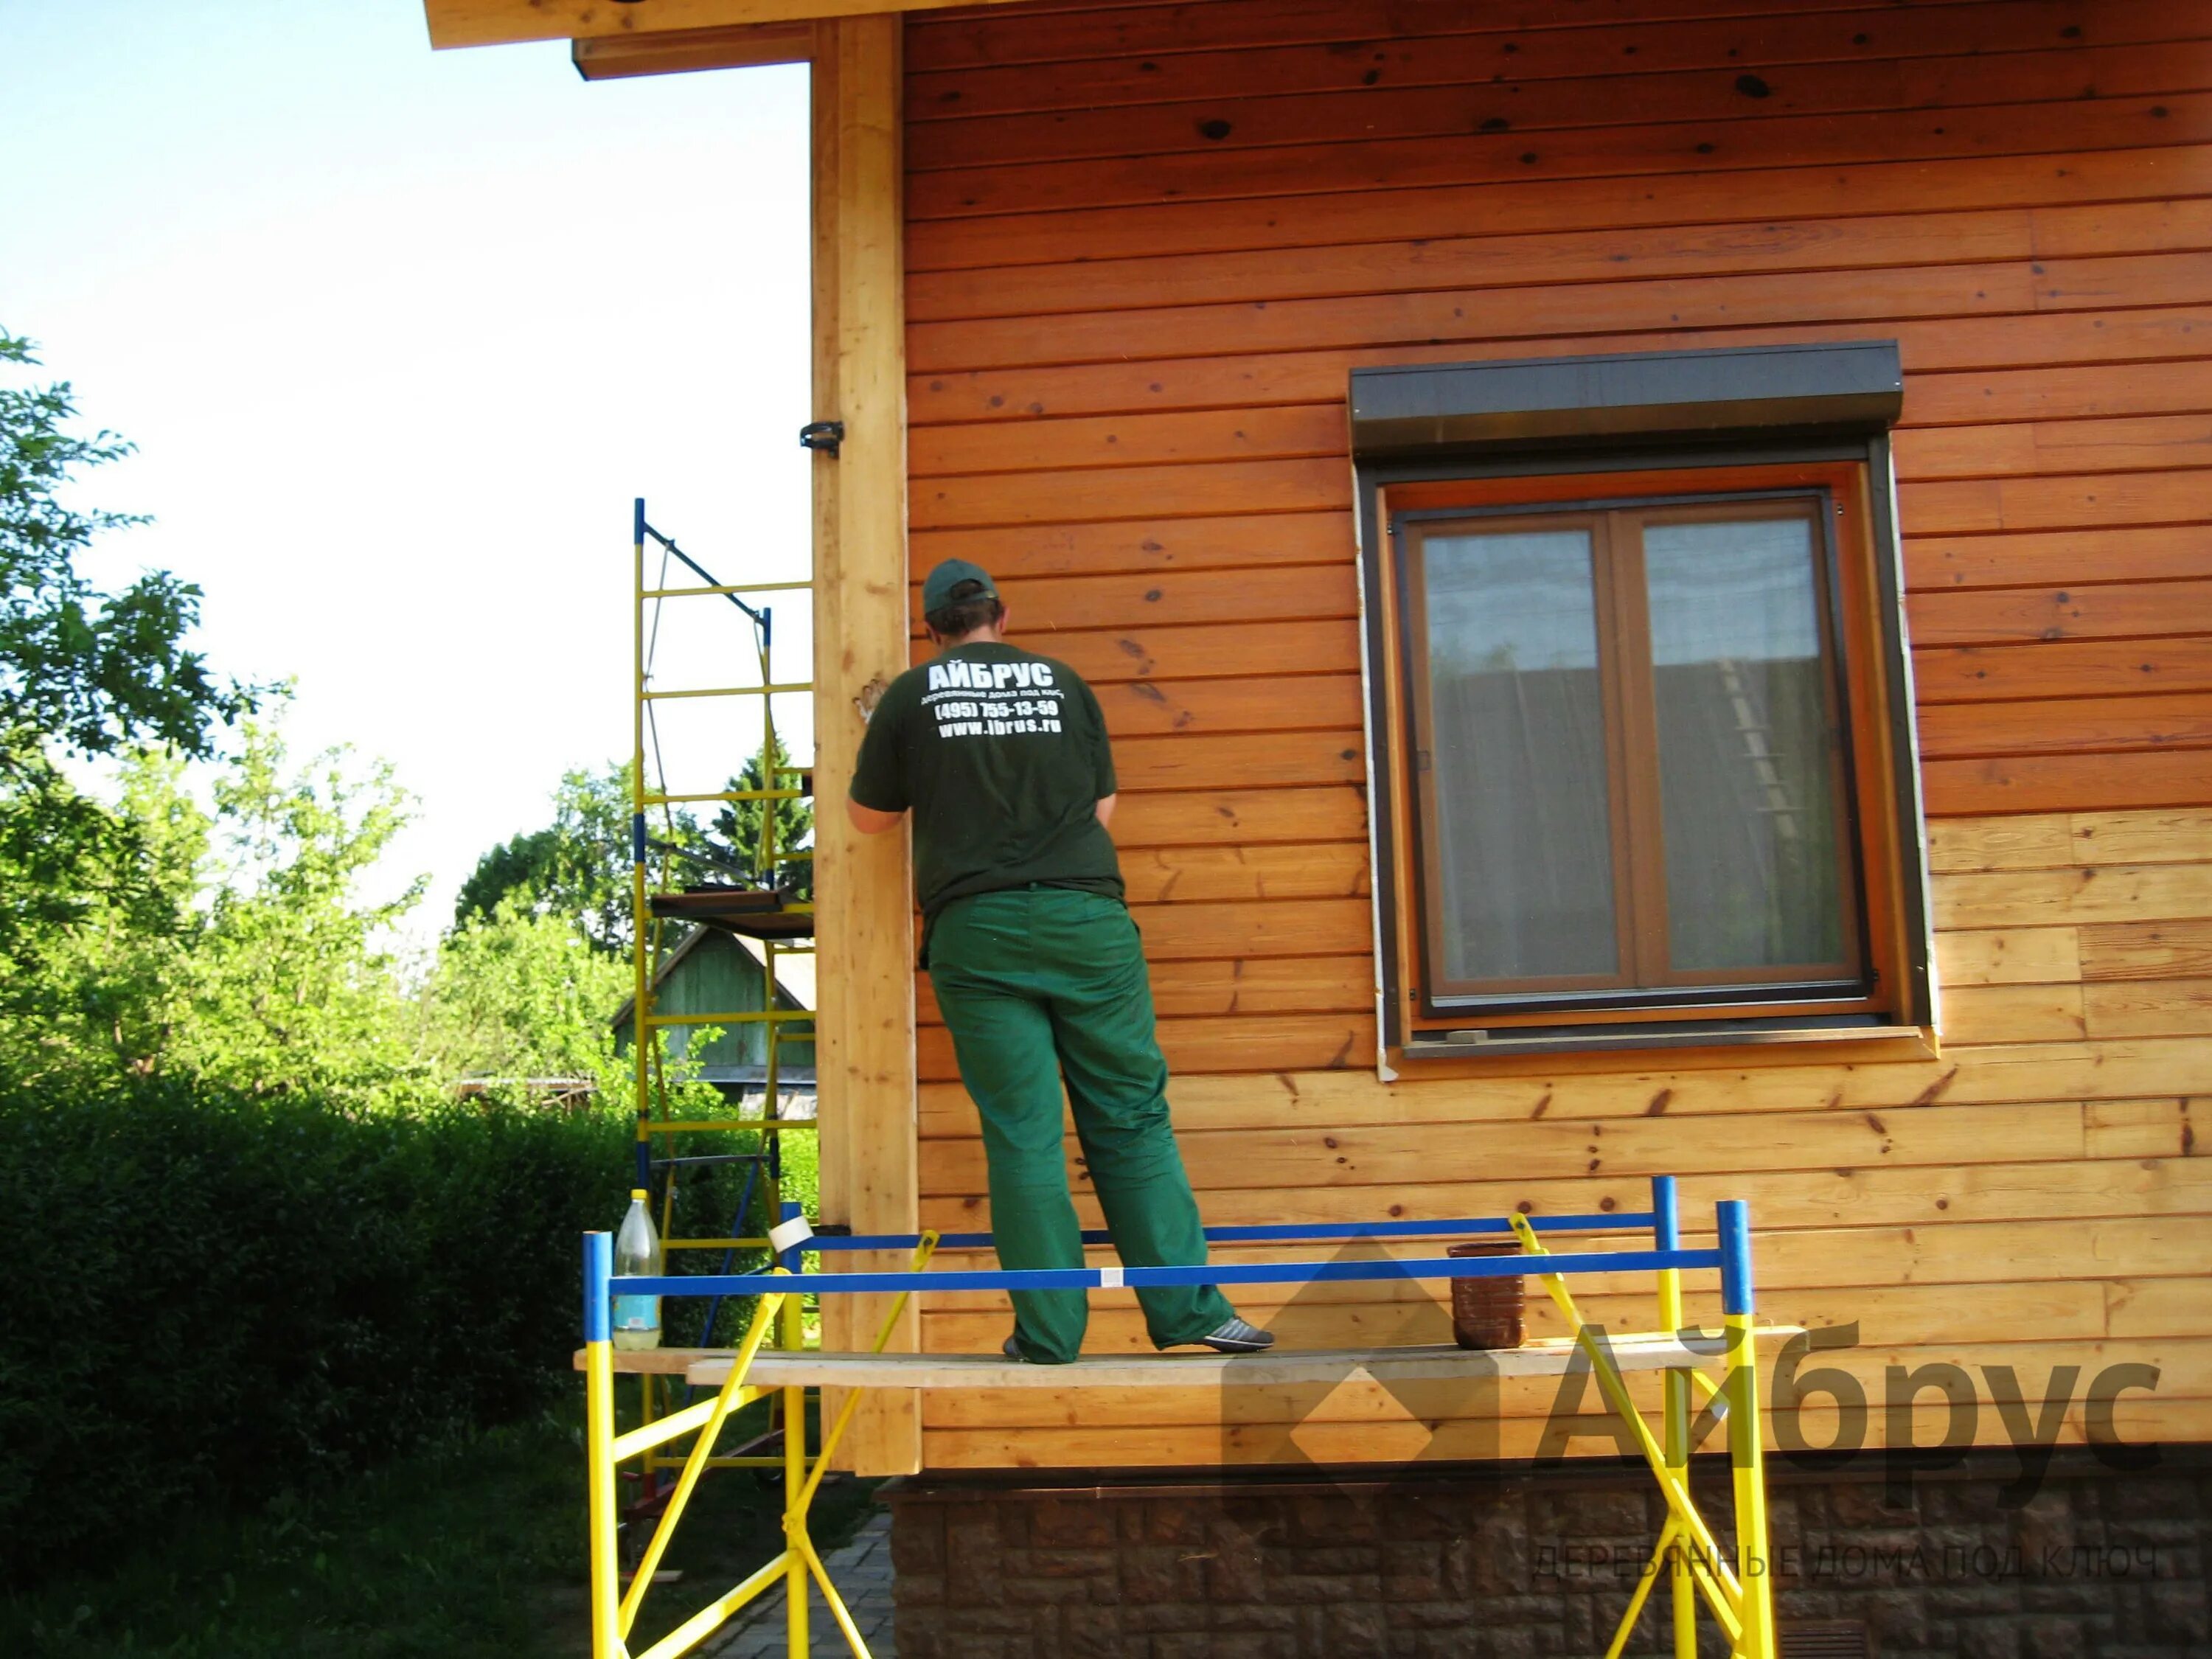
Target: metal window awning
1850, 387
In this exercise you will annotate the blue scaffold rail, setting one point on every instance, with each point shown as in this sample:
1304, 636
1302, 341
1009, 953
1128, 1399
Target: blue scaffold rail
1282, 1232
1218, 1272
1659, 1223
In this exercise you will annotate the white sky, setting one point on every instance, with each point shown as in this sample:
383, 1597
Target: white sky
400, 335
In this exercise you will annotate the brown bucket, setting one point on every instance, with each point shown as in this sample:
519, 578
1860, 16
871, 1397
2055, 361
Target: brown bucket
1486, 1312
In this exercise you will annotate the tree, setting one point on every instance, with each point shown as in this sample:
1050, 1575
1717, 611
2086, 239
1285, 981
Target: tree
82, 672
291, 982
577, 868
521, 994
101, 910
235, 945
88, 671
740, 825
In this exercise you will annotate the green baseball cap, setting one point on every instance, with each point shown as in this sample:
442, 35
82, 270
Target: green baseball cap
937, 587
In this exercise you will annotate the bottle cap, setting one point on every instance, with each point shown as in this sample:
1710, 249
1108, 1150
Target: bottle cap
639, 1192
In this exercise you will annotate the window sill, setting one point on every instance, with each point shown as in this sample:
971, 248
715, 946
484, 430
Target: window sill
1902, 1041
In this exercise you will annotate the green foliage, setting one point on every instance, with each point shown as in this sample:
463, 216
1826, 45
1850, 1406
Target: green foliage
213, 1295
289, 984
89, 672
577, 868
232, 946
466, 1551
471, 1550
741, 828
520, 995
82, 672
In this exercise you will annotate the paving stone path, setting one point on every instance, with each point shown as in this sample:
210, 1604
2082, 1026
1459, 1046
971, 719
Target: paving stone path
862, 1573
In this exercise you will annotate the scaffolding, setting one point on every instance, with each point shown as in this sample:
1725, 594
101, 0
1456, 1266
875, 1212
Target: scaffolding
1733, 1583
761, 901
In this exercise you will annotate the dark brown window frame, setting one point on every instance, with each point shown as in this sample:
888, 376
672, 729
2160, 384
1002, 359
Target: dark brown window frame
1644, 975
1515, 428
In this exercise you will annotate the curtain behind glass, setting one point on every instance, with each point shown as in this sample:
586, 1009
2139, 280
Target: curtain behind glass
1517, 784
1746, 775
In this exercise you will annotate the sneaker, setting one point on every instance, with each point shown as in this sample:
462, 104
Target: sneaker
1011, 1348
1237, 1337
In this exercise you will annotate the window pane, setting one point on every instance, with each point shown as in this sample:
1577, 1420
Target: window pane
1746, 780
1518, 777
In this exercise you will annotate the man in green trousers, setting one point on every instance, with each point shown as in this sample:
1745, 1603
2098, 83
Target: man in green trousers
1002, 757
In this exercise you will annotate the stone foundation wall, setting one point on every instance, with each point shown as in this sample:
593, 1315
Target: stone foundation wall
1508, 1562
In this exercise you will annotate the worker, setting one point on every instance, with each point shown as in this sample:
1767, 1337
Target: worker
1001, 755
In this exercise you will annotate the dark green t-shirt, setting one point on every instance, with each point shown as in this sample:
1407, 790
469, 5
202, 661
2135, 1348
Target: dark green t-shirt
1002, 757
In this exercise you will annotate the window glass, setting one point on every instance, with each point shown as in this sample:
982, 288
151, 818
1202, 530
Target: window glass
1747, 766
1517, 779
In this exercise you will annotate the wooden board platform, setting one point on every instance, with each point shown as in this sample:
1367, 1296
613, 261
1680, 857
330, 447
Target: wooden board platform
710, 1367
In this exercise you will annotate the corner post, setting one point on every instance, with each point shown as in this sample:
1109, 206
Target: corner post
599, 1448
864, 1022
1747, 1456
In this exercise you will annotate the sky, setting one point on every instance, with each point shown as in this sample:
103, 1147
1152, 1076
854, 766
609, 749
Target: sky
399, 336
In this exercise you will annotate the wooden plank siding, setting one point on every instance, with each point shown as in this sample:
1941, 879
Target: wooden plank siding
1146, 244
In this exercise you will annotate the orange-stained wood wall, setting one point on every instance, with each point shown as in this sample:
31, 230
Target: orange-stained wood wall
1145, 245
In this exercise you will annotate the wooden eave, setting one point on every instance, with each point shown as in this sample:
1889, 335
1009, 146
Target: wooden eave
498, 22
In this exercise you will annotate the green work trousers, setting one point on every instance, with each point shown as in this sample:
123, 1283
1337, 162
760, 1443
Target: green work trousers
1040, 983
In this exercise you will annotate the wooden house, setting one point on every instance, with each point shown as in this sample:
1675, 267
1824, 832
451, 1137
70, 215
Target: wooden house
1648, 562
715, 971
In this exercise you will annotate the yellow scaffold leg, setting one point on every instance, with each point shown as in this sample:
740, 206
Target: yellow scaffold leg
800, 1485
1747, 1465
598, 1434
1704, 1558
1661, 1553
1667, 1234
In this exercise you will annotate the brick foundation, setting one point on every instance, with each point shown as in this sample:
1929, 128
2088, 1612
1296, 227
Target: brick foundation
1508, 1563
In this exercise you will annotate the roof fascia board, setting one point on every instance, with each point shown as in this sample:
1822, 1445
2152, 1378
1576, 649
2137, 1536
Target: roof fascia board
501, 22
678, 51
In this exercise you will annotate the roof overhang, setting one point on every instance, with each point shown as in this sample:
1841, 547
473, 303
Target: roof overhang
496, 22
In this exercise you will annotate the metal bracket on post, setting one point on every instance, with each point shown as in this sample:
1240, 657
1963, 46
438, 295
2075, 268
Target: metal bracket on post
822, 437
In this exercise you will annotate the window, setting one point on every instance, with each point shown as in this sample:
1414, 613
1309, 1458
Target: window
1635, 748
1629, 749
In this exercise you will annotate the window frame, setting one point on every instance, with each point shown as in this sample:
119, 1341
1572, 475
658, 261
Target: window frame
1883, 818
1644, 974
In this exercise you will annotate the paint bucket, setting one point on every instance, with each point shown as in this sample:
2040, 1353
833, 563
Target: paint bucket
1486, 1312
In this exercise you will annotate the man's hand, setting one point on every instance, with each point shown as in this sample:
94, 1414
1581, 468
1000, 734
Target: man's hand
870, 694
870, 822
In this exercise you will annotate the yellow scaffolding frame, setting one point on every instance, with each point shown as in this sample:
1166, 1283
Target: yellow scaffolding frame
1735, 1586
649, 934
615, 1609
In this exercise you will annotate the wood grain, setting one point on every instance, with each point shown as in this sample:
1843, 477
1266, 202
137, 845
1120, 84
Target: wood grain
1949, 731
2146, 949
2062, 669
2043, 783
1148, 244
864, 1039
1469, 48
1958, 369
1503, 207
1706, 145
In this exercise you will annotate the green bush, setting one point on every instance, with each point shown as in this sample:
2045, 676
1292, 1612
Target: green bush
210, 1299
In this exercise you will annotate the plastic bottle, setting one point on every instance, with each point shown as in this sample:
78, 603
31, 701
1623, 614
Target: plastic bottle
637, 1251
